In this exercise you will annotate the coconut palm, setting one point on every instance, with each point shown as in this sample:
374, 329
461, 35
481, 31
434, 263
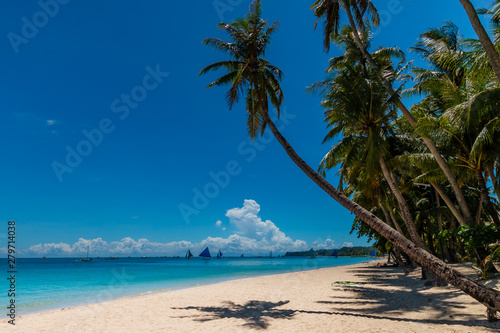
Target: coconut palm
248, 72
466, 119
249, 41
328, 10
484, 38
475, 127
359, 108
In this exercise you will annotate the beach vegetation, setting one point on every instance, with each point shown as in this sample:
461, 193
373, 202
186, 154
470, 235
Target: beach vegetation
422, 180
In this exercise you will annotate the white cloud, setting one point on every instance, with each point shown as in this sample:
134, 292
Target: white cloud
327, 244
252, 236
97, 247
347, 244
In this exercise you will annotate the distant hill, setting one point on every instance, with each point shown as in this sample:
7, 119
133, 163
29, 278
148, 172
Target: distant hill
343, 252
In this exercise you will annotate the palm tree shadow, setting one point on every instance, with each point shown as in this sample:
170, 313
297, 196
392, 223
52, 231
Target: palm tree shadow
256, 314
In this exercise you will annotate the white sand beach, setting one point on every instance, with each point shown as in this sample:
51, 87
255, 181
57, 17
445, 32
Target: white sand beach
384, 301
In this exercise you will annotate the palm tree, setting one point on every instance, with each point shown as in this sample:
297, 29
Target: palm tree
250, 38
328, 9
475, 126
486, 42
248, 73
359, 108
469, 120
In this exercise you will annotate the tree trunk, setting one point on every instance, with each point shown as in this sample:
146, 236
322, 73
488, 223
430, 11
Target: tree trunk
485, 295
446, 253
397, 256
388, 218
484, 38
430, 241
432, 147
403, 207
450, 204
479, 210
486, 197
395, 222
451, 244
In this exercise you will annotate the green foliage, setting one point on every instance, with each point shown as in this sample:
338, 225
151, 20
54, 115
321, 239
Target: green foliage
248, 73
481, 235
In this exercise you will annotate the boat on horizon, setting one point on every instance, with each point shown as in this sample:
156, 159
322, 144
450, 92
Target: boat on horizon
335, 254
189, 255
270, 254
205, 254
86, 259
112, 258
219, 255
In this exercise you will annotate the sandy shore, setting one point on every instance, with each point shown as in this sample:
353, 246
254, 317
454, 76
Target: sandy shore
386, 301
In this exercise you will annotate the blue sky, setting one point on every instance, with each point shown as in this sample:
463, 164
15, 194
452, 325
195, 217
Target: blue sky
73, 71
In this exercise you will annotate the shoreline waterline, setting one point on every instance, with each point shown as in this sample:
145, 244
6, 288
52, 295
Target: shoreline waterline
52, 285
303, 301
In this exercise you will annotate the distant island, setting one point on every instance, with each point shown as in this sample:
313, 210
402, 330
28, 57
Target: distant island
343, 252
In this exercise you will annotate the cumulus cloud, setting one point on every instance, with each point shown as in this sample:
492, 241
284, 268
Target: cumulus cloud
98, 246
252, 236
347, 244
327, 244
265, 233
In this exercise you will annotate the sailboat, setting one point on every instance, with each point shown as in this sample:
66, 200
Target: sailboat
86, 259
373, 253
270, 254
242, 255
206, 254
189, 255
219, 255
335, 254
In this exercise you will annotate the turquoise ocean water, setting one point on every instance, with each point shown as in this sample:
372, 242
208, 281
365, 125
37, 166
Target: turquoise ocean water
44, 284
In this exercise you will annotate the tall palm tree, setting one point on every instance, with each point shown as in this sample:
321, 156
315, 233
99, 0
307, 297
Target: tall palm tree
470, 120
486, 42
249, 41
359, 108
248, 72
328, 9
475, 126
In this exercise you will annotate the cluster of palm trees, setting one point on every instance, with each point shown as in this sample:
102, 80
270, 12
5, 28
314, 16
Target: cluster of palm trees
416, 178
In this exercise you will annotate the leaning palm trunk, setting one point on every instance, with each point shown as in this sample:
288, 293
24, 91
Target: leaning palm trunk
485, 40
429, 143
390, 217
403, 206
397, 255
449, 203
485, 295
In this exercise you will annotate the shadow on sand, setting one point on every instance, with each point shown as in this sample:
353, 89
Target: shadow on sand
256, 314
372, 301
407, 297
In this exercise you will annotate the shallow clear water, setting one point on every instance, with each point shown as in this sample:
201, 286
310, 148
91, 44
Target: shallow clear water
43, 284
